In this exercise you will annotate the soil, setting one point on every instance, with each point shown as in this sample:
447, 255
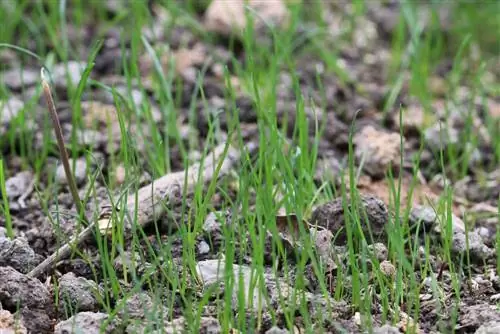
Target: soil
376, 143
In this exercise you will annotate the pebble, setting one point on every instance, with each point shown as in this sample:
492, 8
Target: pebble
377, 150
17, 78
440, 135
227, 17
18, 254
9, 324
331, 216
18, 291
80, 171
10, 109
212, 273
85, 322
77, 293
73, 72
18, 184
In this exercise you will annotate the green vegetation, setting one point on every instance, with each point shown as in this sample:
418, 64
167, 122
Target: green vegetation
280, 176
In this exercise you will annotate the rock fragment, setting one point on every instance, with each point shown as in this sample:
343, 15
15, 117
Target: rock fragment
17, 78
18, 254
86, 322
19, 290
9, 325
377, 150
372, 212
9, 109
80, 171
212, 273
227, 17
77, 294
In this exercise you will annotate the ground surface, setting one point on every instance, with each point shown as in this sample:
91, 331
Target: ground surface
362, 186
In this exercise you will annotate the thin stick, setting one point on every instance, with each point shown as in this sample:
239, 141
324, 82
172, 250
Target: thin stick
151, 198
60, 143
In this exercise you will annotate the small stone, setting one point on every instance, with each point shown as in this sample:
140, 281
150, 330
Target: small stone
495, 298
276, 330
175, 326
413, 118
386, 329
226, 17
210, 325
388, 269
140, 306
18, 184
10, 109
120, 173
77, 293
85, 322
377, 150
492, 327
99, 113
372, 212
379, 250
325, 248
17, 78
10, 325
477, 316
18, 290
440, 135
73, 72
36, 320
80, 171
211, 272
478, 251
203, 248
18, 254
423, 214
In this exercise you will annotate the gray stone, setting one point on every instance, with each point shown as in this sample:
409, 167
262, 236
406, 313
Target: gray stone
18, 254
36, 320
77, 294
423, 214
210, 325
73, 72
372, 211
277, 330
386, 329
18, 184
203, 248
10, 109
141, 306
379, 250
475, 316
18, 290
86, 322
478, 251
212, 273
80, 171
440, 135
175, 326
492, 327
17, 78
